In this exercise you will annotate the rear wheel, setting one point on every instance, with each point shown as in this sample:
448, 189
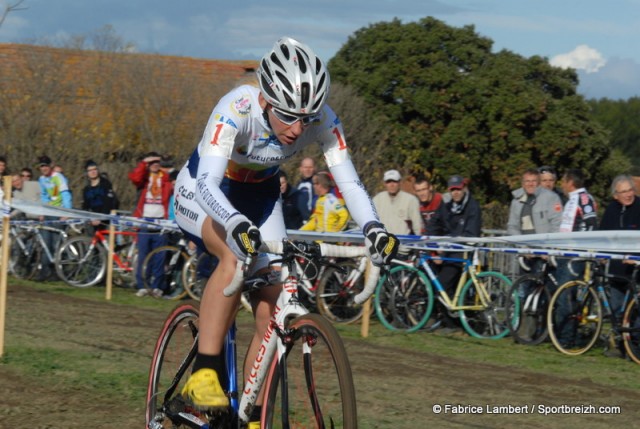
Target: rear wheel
336, 292
80, 262
23, 261
529, 325
574, 318
311, 386
404, 299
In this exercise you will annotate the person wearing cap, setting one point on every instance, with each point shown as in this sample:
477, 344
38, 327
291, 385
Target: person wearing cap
459, 215
399, 211
155, 190
55, 192
98, 195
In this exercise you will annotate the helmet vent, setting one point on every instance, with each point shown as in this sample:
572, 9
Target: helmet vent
282, 78
267, 88
302, 61
276, 61
304, 92
285, 50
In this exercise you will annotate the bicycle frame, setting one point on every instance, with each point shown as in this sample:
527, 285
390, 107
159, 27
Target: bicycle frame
469, 269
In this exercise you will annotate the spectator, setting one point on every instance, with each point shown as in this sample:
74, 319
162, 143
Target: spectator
306, 197
98, 195
26, 174
3, 169
55, 192
330, 213
580, 210
534, 209
623, 213
399, 211
579, 215
153, 203
548, 179
25, 190
457, 216
429, 201
290, 203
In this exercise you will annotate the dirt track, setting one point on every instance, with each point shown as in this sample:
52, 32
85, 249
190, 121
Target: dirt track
396, 388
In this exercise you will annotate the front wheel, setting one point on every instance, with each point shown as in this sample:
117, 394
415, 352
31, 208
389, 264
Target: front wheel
311, 386
483, 303
81, 262
574, 318
171, 366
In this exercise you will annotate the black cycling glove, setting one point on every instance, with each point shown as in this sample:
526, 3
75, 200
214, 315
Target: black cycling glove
242, 236
381, 245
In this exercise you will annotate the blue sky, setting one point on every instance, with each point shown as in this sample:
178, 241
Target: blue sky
599, 38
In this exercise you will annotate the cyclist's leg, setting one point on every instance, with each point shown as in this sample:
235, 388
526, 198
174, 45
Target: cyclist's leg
263, 300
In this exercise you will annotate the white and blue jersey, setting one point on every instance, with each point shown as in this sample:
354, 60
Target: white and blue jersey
238, 158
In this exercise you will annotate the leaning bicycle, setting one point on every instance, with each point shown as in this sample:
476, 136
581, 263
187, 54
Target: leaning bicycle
302, 365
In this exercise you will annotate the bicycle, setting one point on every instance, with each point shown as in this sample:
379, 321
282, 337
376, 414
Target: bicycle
27, 247
81, 261
579, 309
300, 352
404, 297
534, 291
162, 269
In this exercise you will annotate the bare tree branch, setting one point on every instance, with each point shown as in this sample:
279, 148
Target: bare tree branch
11, 7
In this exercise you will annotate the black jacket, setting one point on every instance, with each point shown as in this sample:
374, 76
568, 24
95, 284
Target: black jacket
619, 217
101, 198
464, 220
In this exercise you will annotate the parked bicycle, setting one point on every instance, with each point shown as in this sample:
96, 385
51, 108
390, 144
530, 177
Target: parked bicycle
580, 311
301, 352
28, 245
81, 261
162, 269
404, 297
533, 291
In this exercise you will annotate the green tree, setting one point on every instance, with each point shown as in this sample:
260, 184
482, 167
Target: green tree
448, 105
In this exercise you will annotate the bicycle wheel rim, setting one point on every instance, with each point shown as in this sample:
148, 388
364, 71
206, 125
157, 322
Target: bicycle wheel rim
574, 318
80, 264
529, 325
319, 383
404, 299
490, 322
174, 342
631, 330
335, 299
162, 269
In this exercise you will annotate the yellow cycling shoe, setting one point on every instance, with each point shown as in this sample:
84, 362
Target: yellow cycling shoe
254, 425
204, 391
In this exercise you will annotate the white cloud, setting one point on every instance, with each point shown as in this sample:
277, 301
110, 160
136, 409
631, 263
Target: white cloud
581, 58
618, 79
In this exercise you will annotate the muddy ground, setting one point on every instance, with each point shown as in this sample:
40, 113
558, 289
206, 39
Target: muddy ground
397, 388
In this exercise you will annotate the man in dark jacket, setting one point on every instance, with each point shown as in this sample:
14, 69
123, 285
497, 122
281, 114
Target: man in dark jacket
458, 216
290, 203
623, 213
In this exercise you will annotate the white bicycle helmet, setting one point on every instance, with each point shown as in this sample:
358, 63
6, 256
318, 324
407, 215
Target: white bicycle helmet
293, 79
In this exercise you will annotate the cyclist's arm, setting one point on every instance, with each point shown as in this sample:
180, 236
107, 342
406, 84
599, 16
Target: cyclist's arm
345, 176
215, 152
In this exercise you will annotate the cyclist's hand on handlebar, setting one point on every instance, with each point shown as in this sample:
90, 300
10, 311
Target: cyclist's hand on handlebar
381, 245
242, 236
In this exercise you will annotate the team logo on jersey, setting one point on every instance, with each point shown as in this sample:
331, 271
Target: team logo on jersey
242, 105
223, 119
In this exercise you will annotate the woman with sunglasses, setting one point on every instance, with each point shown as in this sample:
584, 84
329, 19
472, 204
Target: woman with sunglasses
227, 196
